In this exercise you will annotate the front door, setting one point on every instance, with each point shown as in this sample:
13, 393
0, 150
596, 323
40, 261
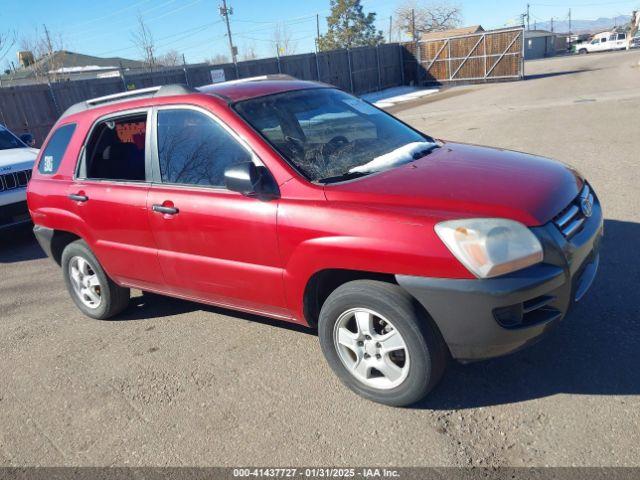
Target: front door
214, 245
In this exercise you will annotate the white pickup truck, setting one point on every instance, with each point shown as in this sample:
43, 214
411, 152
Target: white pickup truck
603, 42
16, 161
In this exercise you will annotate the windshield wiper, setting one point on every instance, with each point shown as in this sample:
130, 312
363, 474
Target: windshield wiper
343, 177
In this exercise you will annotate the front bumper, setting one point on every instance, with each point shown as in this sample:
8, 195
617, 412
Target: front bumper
14, 214
484, 318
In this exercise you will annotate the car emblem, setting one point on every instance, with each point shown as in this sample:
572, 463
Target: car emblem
586, 207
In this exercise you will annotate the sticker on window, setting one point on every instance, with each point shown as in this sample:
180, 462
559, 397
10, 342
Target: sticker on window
361, 106
48, 164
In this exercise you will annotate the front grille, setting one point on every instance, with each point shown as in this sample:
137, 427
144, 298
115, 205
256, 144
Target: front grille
13, 180
571, 220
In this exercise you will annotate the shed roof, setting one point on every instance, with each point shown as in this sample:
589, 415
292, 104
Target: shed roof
538, 33
66, 61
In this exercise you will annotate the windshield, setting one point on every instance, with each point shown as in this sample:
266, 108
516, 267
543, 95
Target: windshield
9, 140
329, 135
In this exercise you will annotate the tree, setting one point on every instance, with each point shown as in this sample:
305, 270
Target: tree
218, 59
249, 53
429, 17
48, 52
143, 40
7, 40
285, 45
170, 59
349, 27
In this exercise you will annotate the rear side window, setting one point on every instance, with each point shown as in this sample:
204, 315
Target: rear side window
194, 149
54, 151
116, 150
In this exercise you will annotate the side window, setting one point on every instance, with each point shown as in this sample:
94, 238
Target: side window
193, 149
622, 36
116, 149
55, 148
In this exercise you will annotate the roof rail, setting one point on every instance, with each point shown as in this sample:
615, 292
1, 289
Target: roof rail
271, 76
160, 91
259, 78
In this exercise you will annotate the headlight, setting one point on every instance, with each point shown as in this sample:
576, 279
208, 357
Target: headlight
489, 247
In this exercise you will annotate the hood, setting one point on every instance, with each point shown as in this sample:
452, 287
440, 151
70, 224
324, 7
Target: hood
459, 180
16, 159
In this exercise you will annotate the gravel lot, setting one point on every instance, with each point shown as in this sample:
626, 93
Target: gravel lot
176, 383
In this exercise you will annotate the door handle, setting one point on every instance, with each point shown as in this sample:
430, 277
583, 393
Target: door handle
165, 210
78, 197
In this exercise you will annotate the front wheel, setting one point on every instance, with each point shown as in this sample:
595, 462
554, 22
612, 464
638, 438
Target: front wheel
380, 343
93, 292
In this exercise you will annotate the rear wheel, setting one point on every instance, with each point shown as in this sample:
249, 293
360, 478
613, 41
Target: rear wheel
93, 292
380, 343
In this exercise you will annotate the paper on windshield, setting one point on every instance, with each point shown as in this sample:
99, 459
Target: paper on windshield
361, 106
398, 156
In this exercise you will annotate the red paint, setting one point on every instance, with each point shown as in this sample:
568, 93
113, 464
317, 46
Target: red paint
254, 255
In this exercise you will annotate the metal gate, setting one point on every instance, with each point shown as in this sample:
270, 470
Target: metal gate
482, 56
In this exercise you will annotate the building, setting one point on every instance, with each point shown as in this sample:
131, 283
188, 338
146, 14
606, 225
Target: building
454, 32
539, 44
563, 42
64, 65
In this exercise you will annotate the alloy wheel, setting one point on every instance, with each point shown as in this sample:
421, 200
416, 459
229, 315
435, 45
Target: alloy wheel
371, 348
85, 282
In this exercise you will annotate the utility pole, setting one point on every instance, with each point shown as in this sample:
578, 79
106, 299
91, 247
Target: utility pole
52, 65
48, 37
390, 27
317, 32
528, 27
569, 21
225, 12
551, 24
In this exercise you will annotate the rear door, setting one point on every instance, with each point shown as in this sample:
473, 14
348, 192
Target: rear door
214, 245
110, 195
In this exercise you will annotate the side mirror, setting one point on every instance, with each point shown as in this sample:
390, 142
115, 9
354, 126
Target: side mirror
28, 139
248, 179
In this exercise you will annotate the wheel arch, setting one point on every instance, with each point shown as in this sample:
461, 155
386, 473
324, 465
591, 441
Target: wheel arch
59, 241
320, 285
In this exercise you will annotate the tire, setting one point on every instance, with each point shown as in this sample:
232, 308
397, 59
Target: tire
425, 353
583, 51
112, 299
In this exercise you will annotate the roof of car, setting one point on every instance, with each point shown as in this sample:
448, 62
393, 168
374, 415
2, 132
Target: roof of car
231, 91
243, 89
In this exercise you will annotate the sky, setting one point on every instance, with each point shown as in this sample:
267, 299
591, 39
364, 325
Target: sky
195, 27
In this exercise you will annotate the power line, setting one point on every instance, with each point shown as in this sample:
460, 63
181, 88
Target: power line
152, 19
110, 32
112, 14
183, 34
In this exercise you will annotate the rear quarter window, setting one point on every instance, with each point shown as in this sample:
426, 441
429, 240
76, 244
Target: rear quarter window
55, 149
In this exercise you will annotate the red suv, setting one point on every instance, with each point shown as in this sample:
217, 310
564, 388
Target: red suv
300, 202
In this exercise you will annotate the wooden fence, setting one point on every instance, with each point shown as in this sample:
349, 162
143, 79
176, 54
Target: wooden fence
35, 108
484, 56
